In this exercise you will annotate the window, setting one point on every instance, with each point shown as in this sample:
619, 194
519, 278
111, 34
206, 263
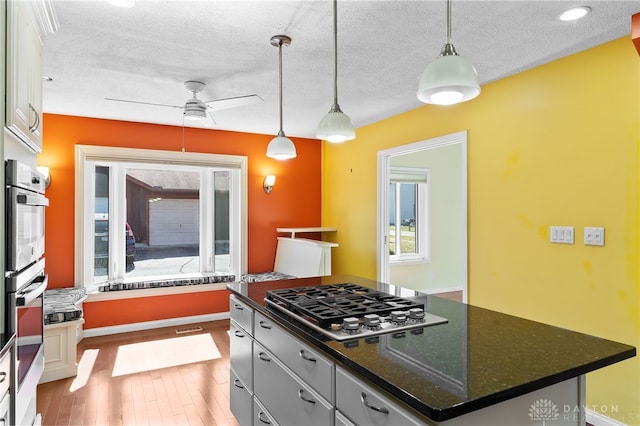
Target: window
408, 214
150, 216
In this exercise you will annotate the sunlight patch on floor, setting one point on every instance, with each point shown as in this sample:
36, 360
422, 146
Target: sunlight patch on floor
147, 356
85, 366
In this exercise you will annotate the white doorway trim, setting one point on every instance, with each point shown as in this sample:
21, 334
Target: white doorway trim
384, 166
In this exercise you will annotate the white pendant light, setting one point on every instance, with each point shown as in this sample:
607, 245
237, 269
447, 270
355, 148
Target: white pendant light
450, 79
336, 126
281, 147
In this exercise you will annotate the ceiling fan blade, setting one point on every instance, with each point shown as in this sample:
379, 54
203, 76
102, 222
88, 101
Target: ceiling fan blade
144, 103
211, 117
219, 104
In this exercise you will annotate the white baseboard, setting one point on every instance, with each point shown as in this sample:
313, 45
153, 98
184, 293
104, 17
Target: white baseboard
597, 419
148, 325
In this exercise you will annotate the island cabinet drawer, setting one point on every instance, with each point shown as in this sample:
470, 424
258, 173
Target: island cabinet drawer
342, 420
260, 415
289, 400
241, 313
241, 400
365, 406
316, 370
241, 353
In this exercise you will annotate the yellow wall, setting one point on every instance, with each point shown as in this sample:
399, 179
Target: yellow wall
556, 145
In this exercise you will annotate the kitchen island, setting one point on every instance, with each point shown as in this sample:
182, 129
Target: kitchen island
479, 367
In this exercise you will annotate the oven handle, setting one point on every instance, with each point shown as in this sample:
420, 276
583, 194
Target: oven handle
33, 291
32, 200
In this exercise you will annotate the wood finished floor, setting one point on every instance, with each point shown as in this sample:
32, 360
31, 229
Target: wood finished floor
190, 394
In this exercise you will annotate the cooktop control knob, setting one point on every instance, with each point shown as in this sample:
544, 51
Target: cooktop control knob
350, 325
416, 314
399, 317
372, 321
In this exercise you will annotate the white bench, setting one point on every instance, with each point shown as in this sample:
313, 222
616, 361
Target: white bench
60, 350
62, 331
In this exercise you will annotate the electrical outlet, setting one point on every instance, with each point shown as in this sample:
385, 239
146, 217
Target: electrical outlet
593, 236
561, 234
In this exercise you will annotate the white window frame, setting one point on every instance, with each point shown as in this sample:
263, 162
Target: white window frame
421, 177
87, 156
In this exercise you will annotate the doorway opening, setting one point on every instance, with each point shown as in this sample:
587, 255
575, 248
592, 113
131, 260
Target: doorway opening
422, 200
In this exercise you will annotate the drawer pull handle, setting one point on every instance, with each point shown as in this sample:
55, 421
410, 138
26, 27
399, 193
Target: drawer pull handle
36, 121
237, 383
264, 357
238, 307
260, 414
265, 324
302, 397
238, 333
3, 376
306, 357
363, 398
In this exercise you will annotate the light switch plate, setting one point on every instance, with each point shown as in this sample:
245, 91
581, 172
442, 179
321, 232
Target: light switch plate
593, 236
561, 234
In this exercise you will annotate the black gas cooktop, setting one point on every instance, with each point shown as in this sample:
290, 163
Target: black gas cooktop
347, 311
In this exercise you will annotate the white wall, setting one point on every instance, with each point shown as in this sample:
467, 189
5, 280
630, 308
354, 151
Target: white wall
447, 223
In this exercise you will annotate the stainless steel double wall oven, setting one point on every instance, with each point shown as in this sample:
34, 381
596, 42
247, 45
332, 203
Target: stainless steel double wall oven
25, 280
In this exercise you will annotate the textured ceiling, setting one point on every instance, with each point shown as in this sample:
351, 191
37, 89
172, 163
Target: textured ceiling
145, 53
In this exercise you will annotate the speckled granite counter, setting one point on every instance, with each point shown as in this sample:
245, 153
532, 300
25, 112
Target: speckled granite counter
477, 359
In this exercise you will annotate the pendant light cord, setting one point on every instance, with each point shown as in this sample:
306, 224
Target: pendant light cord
448, 49
280, 133
335, 54
448, 21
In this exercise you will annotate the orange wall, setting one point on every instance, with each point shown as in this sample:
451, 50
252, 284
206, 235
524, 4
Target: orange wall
295, 200
118, 312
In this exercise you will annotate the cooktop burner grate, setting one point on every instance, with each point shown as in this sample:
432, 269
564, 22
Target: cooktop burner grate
329, 304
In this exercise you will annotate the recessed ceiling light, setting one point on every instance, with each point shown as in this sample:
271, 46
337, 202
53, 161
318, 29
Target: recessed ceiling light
574, 13
121, 3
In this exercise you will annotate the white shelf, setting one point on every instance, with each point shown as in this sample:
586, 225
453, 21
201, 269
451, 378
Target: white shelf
295, 231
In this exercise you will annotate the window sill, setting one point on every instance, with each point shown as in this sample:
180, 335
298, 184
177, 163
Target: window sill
150, 292
409, 260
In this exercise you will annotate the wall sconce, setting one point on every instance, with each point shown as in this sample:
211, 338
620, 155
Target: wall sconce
47, 176
269, 181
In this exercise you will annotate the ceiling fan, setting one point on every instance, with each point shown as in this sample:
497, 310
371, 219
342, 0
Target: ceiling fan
195, 109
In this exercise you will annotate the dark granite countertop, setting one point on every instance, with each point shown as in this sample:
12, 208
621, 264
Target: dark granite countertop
478, 358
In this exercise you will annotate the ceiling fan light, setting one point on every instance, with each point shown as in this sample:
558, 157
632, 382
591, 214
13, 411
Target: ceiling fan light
448, 80
195, 114
336, 127
281, 148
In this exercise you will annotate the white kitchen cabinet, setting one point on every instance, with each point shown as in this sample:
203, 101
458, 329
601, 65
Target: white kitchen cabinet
27, 24
314, 369
261, 416
241, 313
365, 406
342, 420
60, 350
241, 361
241, 354
288, 399
241, 400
